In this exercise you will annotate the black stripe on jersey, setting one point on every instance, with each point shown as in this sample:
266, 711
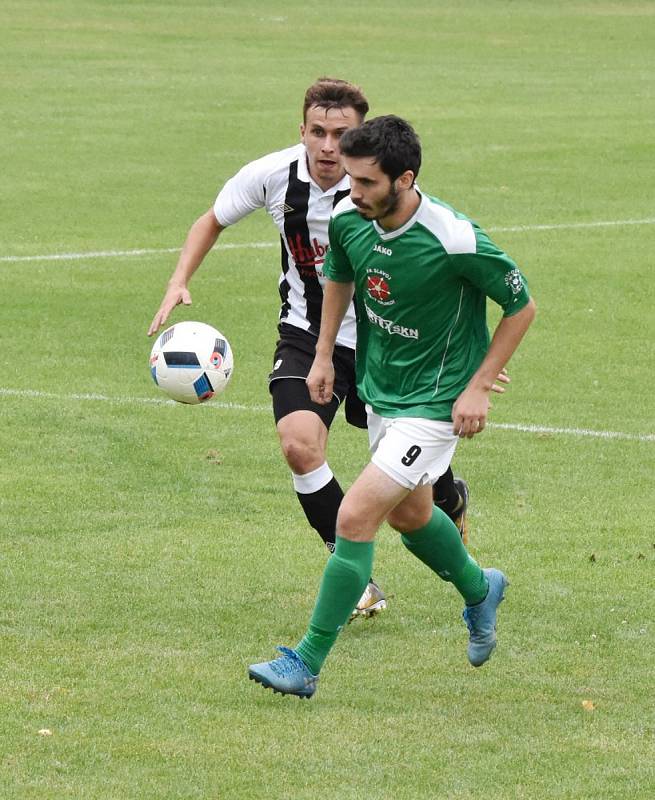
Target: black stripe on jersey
339, 195
284, 283
302, 248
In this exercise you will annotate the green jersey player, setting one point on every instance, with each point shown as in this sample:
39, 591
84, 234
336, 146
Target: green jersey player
421, 274
421, 292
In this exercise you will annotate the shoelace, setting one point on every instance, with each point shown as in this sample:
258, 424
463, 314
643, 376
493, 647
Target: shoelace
468, 620
289, 663
471, 614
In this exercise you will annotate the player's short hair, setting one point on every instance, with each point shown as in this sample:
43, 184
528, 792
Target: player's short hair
335, 93
390, 140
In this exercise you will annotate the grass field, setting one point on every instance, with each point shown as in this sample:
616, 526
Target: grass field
149, 551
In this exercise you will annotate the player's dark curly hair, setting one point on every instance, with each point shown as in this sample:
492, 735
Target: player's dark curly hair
335, 93
390, 140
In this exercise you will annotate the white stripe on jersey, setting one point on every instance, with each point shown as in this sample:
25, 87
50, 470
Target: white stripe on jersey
455, 234
272, 182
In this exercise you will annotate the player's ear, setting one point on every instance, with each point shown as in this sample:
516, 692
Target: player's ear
406, 180
302, 132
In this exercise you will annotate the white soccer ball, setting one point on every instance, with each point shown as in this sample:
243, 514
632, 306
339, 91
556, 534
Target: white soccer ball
191, 362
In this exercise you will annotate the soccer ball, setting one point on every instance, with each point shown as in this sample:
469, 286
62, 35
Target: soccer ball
191, 362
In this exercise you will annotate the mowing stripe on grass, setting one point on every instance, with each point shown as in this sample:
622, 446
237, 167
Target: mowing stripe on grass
507, 426
258, 245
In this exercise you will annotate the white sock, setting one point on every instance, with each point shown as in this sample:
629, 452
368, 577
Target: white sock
312, 481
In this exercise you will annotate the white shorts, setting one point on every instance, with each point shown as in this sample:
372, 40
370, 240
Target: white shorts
412, 451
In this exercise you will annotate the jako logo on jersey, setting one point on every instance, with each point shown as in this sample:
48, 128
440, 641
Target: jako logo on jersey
386, 251
514, 280
307, 254
389, 325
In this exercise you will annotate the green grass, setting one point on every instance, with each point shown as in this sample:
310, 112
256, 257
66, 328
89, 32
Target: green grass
149, 551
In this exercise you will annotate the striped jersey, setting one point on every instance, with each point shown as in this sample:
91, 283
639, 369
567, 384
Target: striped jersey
421, 291
280, 182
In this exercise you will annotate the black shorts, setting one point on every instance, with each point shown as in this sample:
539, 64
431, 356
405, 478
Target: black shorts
293, 358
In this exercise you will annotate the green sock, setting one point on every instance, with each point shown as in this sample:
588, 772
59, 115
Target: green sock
344, 580
439, 545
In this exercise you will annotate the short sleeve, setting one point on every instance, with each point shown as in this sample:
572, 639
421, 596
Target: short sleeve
337, 266
495, 273
243, 193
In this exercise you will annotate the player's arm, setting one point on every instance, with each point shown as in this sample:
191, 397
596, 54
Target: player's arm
336, 299
472, 406
201, 238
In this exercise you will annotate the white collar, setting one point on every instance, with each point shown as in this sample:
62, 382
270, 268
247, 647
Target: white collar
394, 234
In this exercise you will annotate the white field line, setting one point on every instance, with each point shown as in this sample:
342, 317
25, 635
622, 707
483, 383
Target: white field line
580, 432
616, 223
156, 401
128, 253
217, 404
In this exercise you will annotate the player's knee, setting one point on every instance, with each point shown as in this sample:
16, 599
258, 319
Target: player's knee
406, 520
352, 523
302, 454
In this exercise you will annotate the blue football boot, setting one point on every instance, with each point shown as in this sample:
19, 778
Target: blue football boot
287, 674
481, 619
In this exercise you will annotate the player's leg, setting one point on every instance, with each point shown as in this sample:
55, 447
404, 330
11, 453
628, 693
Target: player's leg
303, 437
362, 511
451, 495
414, 452
303, 430
437, 543
374, 599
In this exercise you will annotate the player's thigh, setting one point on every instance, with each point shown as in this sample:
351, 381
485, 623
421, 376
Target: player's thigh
367, 503
292, 362
291, 395
302, 425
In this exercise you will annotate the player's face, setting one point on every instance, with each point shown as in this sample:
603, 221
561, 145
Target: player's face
320, 134
371, 190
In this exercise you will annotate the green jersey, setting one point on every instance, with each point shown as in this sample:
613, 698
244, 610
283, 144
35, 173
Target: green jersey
421, 296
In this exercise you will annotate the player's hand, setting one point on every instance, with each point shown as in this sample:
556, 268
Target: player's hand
320, 381
503, 377
470, 412
173, 297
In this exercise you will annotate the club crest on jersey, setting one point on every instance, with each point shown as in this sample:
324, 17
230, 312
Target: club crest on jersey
514, 280
377, 287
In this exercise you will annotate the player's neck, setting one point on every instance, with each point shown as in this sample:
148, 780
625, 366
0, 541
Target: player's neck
325, 184
409, 201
